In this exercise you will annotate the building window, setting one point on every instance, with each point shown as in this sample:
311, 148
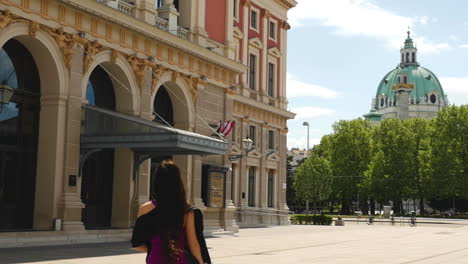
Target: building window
405, 79
236, 9
233, 134
254, 19
271, 79
407, 57
251, 198
402, 57
271, 139
233, 182
270, 188
272, 31
159, 3
399, 80
252, 71
433, 98
252, 133
413, 57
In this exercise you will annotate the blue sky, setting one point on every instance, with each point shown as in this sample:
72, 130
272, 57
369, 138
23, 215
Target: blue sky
339, 50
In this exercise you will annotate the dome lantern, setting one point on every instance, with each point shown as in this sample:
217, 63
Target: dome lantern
409, 52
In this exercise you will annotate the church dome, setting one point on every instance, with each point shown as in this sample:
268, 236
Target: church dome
427, 87
422, 84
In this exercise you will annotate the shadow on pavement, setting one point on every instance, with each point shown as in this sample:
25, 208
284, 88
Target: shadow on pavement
50, 253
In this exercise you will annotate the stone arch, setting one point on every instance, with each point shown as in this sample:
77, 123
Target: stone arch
48, 57
179, 91
123, 79
54, 86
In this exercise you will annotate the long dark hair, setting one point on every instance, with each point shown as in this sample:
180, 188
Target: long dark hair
169, 193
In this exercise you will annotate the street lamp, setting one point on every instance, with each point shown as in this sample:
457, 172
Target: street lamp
6, 93
307, 125
247, 145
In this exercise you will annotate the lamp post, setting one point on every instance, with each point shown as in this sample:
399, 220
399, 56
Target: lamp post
247, 146
307, 125
6, 93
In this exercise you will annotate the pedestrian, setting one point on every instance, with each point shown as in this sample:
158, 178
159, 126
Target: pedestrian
167, 228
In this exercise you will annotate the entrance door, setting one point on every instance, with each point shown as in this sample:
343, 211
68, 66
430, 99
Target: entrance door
19, 130
98, 171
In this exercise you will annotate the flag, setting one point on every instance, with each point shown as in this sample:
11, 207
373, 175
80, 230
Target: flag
225, 127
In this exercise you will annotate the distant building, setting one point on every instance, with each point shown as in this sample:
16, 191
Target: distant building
297, 155
408, 91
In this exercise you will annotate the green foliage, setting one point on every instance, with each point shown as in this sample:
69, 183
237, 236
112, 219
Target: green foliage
301, 219
449, 145
312, 180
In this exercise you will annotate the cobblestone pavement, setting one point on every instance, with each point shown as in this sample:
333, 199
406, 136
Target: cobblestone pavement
353, 243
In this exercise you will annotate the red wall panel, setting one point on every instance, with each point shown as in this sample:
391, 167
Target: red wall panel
215, 20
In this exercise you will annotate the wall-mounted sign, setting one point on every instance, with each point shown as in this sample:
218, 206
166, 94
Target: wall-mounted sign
214, 186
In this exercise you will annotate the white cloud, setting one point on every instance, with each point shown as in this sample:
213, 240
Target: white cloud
362, 18
296, 88
456, 89
463, 46
312, 112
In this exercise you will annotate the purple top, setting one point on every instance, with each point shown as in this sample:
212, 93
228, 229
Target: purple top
157, 254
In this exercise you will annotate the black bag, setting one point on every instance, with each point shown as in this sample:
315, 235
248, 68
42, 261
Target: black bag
190, 258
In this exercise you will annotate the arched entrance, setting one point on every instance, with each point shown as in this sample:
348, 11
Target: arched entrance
164, 112
98, 171
19, 132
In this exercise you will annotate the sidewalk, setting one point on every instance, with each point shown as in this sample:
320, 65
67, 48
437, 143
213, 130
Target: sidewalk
353, 243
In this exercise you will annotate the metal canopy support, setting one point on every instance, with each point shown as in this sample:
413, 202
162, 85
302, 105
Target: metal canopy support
138, 159
84, 155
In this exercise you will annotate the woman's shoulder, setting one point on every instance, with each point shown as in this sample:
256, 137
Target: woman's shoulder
146, 208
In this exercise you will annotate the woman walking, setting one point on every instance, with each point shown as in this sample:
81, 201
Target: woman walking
167, 227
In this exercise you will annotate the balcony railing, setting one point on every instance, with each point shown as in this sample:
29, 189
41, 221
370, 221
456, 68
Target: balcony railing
162, 23
183, 33
121, 5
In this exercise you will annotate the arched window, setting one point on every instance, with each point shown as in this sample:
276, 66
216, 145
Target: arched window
402, 57
405, 79
163, 107
382, 102
407, 57
413, 57
399, 80
433, 98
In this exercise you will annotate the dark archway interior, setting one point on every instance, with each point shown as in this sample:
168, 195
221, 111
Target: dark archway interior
163, 107
19, 132
98, 171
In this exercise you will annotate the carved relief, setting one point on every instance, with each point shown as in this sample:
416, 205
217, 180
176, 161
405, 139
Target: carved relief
6, 18
192, 82
91, 48
157, 72
65, 42
33, 28
115, 54
139, 67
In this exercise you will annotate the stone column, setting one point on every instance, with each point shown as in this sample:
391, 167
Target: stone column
263, 169
282, 64
196, 198
192, 16
264, 53
146, 11
403, 102
122, 193
70, 204
168, 12
245, 41
243, 168
281, 194
230, 45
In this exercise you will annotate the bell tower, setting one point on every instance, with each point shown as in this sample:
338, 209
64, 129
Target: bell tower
408, 54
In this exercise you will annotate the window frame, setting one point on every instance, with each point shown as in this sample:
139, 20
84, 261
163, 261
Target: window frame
252, 132
236, 10
251, 187
253, 71
270, 188
271, 139
271, 80
257, 19
275, 31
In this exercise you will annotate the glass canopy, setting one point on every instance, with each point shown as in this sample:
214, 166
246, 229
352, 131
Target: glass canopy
102, 129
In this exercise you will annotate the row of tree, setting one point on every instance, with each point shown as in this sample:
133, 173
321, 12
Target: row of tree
394, 161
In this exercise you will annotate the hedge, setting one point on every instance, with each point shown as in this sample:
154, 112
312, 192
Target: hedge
301, 219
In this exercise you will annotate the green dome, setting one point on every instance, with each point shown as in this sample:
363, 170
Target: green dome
425, 83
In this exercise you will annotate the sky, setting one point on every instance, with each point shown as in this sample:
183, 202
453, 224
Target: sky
339, 50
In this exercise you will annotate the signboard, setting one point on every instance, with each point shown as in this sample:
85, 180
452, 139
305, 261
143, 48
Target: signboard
216, 189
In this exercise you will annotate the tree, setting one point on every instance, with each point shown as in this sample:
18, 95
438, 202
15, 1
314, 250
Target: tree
349, 154
449, 145
312, 180
391, 167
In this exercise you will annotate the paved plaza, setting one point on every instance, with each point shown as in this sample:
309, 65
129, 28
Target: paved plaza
353, 243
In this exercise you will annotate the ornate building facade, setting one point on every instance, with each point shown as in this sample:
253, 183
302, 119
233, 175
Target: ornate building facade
96, 92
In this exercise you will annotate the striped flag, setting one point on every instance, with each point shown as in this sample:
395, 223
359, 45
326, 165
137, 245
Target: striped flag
225, 127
